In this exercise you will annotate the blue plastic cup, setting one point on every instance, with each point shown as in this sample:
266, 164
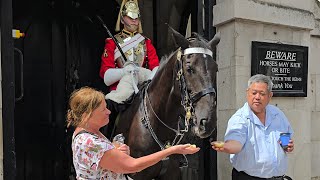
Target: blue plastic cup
284, 138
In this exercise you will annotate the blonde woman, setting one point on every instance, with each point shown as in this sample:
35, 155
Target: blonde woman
94, 156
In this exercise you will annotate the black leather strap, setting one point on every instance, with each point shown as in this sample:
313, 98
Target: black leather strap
197, 96
240, 175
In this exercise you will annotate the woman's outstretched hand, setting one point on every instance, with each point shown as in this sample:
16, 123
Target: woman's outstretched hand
185, 149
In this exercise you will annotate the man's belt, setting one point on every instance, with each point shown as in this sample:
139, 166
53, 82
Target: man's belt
243, 175
133, 42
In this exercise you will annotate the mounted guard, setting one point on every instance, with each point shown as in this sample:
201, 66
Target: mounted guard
139, 63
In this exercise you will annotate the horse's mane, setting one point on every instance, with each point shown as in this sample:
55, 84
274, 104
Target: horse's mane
164, 59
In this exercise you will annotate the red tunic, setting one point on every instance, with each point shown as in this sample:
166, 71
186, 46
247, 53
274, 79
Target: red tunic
108, 61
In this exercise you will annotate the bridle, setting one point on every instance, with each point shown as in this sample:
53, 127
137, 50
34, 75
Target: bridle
187, 99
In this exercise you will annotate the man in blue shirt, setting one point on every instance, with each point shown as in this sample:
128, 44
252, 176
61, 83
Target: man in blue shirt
252, 135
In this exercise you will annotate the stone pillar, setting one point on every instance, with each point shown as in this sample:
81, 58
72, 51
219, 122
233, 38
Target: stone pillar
287, 21
315, 93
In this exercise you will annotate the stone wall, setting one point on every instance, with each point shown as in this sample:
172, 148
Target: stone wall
278, 21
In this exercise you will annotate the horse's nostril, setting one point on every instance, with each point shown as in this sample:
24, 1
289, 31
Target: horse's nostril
203, 122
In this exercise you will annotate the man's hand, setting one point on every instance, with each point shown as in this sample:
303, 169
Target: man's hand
231, 147
218, 146
290, 146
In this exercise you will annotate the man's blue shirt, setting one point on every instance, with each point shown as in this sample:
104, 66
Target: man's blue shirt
261, 154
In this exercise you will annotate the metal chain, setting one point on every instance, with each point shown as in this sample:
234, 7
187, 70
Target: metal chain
148, 122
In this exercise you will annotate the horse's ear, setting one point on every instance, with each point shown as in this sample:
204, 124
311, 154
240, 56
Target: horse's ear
215, 40
178, 39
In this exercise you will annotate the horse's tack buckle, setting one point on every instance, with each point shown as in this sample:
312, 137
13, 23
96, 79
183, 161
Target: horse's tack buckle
188, 113
179, 74
179, 54
168, 144
144, 122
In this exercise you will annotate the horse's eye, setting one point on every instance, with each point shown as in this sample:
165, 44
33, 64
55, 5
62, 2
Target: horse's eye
189, 69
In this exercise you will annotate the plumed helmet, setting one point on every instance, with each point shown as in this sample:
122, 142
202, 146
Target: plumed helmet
129, 8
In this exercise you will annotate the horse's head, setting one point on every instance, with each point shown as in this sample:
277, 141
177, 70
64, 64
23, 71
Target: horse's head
199, 70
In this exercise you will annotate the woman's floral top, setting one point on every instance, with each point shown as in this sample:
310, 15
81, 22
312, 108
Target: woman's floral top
88, 150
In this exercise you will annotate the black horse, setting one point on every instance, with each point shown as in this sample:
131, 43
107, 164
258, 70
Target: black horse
181, 97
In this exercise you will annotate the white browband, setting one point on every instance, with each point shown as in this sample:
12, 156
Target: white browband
197, 51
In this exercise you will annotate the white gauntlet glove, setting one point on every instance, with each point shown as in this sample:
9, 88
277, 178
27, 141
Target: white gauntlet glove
114, 75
